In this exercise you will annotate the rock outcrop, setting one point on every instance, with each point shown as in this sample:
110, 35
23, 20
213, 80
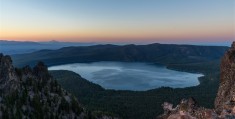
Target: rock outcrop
31, 93
186, 109
226, 94
224, 102
8, 79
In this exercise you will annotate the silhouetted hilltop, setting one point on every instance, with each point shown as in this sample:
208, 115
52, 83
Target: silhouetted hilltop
20, 47
156, 53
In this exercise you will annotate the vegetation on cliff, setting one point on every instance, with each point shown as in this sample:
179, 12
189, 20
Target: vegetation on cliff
31, 93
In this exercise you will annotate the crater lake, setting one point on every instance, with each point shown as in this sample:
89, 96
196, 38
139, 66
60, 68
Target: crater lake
131, 76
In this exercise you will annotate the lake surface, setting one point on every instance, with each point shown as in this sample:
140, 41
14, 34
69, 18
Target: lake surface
131, 76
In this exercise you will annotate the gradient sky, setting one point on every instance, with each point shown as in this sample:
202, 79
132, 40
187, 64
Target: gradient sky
165, 21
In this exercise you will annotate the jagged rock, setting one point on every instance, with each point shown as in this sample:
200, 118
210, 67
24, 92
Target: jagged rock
186, 109
41, 71
226, 94
8, 77
33, 94
224, 102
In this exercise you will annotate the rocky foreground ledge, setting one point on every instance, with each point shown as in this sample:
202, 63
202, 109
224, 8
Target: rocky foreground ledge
224, 102
31, 93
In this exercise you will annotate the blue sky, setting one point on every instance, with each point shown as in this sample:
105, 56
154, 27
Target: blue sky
137, 21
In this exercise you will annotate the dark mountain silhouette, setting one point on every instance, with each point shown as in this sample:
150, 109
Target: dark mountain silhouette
155, 53
19, 47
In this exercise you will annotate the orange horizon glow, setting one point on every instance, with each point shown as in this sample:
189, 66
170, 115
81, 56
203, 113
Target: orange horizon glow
95, 36
79, 22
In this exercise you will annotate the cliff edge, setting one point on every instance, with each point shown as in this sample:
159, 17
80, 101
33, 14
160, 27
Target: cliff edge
224, 102
32, 93
225, 99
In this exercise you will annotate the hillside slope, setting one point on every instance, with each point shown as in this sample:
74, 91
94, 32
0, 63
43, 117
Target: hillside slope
133, 104
31, 93
157, 53
224, 102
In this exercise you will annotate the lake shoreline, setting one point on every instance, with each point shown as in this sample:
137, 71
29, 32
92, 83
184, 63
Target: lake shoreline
150, 68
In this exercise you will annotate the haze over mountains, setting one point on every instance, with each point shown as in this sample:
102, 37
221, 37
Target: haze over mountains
19, 47
156, 53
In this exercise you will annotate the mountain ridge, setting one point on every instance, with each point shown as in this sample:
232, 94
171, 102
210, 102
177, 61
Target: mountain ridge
155, 53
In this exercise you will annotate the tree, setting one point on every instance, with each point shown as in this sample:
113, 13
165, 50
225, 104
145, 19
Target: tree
64, 105
37, 107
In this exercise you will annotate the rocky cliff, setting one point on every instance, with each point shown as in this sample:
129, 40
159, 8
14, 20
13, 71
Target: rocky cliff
224, 102
9, 81
226, 94
31, 93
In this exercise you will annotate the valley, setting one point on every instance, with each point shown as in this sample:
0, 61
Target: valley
117, 59
134, 104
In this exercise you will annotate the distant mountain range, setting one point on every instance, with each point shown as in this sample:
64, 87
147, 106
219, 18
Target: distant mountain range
19, 47
134, 104
166, 54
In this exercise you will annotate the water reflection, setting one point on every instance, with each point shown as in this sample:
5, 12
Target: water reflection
131, 76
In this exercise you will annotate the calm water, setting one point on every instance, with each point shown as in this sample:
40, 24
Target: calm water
131, 76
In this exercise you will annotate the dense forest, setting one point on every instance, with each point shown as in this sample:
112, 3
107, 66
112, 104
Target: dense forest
141, 104
134, 104
155, 53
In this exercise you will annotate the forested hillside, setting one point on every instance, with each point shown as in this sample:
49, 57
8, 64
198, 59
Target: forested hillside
134, 104
155, 53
